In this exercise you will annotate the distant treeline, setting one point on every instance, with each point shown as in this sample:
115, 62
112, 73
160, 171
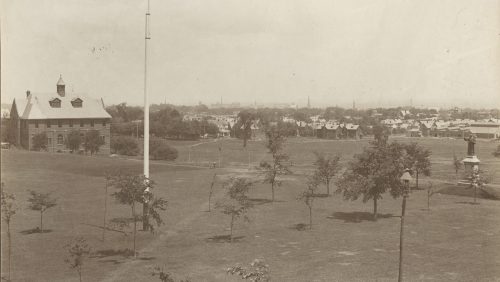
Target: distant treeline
167, 120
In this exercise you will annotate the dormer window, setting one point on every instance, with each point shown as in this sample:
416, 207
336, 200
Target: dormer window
76, 103
55, 103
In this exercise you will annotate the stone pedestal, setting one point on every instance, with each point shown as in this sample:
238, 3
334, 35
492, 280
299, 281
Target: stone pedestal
471, 164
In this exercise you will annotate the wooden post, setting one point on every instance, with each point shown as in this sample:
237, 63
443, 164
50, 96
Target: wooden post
401, 233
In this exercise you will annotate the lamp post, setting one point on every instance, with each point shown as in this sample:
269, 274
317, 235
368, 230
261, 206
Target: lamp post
405, 178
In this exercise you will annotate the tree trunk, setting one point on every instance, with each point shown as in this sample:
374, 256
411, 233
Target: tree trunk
209, 196
41, 221
10, 248
328, 187
310, 218
475, 189
428, 200
80, 272
403, 208
272, 191
231, 229
416, 180
375, 208
135, 225
105, 210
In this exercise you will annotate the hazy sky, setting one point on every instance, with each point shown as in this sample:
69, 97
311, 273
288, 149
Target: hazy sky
378, 53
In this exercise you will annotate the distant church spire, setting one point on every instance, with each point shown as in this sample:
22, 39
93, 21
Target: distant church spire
308, 102
61, 87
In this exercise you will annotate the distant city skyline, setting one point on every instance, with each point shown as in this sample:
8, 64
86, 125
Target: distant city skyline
379, 54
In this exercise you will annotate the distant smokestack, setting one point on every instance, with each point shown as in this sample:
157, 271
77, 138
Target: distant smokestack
28, 93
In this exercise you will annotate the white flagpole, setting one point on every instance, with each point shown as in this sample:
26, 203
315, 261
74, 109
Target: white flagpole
146, 102
145, 222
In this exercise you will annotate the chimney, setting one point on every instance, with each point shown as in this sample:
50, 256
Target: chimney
61, 87
28, 93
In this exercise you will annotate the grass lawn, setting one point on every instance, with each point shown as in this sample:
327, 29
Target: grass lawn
455, 241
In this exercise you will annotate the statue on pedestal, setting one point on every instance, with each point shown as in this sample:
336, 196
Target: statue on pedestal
471, 141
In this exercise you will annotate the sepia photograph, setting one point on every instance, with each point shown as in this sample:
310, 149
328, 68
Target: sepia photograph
250, 140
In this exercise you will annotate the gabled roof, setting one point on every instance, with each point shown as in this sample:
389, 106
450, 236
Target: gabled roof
37, 106
427, 124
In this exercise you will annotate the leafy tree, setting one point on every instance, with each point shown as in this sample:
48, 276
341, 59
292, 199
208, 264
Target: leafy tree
159, 150
245, 119
124, 113
257, 272
418, 159
380, 133
457, 163
132, 191
73, 140
211, 191
124, 145
280, 164
92, 141
40, 141
41, 202
78, 249
308, 195
236, 202
326, 168
377, 169
9, 209
8, 129
496, 153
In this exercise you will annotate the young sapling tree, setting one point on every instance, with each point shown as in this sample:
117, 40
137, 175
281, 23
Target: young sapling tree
457, 164
9, 209
326, 168
281, 161
236, 202
211, 191
41, 202
132, 191
307, 196
78, 249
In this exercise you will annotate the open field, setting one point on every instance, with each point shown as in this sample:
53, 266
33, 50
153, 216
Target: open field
455, 241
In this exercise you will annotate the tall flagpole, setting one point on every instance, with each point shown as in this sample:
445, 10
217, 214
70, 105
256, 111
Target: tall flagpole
145, 222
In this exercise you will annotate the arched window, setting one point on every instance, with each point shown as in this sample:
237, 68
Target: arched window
60, 139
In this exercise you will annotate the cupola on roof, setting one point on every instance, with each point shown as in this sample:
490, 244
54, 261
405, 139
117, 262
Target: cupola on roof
60, 81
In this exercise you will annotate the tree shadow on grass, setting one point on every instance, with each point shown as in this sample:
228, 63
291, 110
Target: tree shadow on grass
263, 201
321, 195
125, 254
111, 253
468, 203
299, 227
34, 230
224, 239
357, 217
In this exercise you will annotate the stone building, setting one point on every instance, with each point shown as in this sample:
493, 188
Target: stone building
57, 115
